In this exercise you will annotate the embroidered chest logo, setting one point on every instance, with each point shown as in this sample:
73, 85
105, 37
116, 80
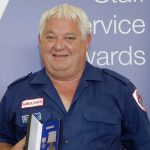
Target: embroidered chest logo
25, 118
137, 97
32, 103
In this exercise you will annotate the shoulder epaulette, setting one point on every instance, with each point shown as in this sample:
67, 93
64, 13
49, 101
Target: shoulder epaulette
20, 79
117, 76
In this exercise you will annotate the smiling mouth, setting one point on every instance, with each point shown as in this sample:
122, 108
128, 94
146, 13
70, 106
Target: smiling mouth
59, 56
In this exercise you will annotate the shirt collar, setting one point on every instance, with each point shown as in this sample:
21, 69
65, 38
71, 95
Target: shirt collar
92, 73
40, 77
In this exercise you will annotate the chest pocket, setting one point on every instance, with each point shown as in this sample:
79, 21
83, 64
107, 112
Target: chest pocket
100, 125
21, 119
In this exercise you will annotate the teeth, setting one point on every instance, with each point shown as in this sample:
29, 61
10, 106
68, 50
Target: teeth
59, 55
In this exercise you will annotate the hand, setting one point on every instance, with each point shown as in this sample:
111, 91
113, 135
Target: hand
20, 145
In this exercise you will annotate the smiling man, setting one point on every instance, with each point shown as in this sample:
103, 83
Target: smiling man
98, 108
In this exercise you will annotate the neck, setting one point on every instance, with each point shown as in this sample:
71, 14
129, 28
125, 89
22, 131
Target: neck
72, 78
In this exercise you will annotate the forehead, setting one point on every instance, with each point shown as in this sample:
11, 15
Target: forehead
62, 25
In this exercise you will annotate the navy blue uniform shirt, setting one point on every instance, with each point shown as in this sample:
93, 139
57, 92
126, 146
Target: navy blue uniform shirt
106, 112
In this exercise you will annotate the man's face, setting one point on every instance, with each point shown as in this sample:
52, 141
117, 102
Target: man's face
63, 50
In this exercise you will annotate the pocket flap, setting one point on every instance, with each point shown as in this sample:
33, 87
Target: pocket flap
22, 116
100, 115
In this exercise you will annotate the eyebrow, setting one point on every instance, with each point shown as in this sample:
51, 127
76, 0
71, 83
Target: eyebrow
49, 32
66, 34
71, 34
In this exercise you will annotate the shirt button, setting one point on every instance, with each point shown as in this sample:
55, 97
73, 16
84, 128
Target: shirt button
66, 118
66, 141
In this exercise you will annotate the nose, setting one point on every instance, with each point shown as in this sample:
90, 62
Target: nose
59, 45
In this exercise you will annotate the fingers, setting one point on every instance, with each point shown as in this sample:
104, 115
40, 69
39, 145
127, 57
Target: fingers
20, 145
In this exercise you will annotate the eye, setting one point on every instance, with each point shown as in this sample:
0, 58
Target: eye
50, 37
70, 39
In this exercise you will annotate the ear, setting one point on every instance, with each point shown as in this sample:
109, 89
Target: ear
39, 38
88, 40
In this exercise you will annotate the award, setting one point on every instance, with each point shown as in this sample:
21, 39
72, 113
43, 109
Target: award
42, 136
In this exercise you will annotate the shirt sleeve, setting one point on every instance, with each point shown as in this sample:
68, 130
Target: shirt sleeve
7, 129
136, 125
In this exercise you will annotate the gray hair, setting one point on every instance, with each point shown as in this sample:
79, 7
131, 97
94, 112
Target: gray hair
69, 12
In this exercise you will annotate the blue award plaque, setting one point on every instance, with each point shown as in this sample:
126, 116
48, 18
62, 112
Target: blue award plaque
50, 135
42, 136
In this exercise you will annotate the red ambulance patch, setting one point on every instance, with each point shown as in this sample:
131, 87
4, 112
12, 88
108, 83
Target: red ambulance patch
32, 103
137, 97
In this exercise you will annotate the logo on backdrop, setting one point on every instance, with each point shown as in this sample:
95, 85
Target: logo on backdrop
3, 5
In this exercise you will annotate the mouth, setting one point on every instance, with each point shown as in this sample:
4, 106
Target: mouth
60, 56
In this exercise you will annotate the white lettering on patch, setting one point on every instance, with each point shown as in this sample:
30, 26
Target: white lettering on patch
32, 103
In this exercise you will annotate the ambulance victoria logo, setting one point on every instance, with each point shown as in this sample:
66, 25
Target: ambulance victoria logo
137, 97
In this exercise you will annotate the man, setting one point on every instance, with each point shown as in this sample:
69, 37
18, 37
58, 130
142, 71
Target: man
99, 109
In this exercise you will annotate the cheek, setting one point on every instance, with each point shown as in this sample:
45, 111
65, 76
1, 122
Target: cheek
45, 53
75, 48
46, 48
